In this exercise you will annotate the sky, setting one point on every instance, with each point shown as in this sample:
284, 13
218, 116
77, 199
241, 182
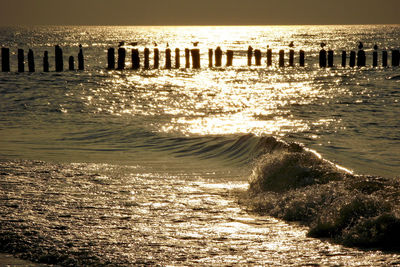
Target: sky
205, 12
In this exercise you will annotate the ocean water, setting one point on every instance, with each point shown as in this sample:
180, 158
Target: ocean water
201, 167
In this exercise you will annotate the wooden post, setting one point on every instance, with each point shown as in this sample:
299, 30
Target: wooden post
5, 59
229, 58
269, 57
352, 62
59, 58
249, 55
187, 58
210, 58
146, 58
395, 58
361, 58
121, 58
71, 63
21, 66
195, 58
257, 56
135, 59
291, 58
46, 61
344, 59
81, 60
167, 58
177, 59
384, 58
302, 56
375, 59
281, 58
330, 58
218, 57
111, 58
31, 61
156, 58
322, 58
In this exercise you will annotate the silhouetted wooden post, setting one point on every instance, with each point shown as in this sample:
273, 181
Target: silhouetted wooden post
361, 58
177, 59
291, 58
135, 59
121, 58
187, 58
301, 60
156, 58
210, 58
168, 58
384, 58
375, 59
269, 57
59, 58
21, 66
257, 56
31, 61
249, 55
330, 58
218, 57
322, 58
5, 59
71, 63
281, 58
111, 58
395, 58
81, 60
195, 58
229, 58
344, 59
46, 61
146, 58
352, 62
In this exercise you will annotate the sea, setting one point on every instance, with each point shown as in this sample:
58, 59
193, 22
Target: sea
172, 167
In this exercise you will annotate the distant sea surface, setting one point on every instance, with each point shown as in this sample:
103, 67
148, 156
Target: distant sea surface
143, 166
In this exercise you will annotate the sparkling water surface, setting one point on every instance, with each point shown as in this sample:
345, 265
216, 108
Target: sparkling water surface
144, 166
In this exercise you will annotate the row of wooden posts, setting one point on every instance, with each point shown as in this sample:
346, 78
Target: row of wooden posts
326, 58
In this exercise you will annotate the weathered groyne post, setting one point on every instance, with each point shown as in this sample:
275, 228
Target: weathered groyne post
344, 55
71, 63
121, 58
291, 58
135, 59
21, 66
352, 61
330, 58
218, 57
210, 57
229, 58
361, 60
59, 59
156, 58
269, 57
46, 61
195, 58
168, 58
384, 58
281, 58
395, 58
187, 58
322, 58
31, 61
257, 56
177, 58
81, 59
302, 58
249, 55
111, 58
5, 59
146, 58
